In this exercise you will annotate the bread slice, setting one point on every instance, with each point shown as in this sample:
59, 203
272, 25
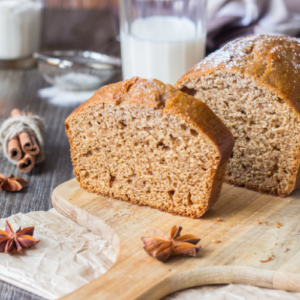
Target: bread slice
253, 85
149, 144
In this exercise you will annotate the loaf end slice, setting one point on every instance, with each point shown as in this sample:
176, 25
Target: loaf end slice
252, 84
147, 143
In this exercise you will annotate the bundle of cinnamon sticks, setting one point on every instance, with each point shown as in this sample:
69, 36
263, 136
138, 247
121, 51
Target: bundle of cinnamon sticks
23, 147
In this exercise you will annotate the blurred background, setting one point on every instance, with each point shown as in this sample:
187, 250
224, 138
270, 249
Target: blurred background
224, 19
155, 38
94, 25
83, 24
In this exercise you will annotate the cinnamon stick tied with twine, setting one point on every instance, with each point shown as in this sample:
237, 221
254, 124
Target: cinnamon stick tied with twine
22, 139
26, 164
27, 141
23, 147
14, 149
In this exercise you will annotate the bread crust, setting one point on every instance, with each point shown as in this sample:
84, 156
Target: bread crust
170, 100
154, 94
271, 62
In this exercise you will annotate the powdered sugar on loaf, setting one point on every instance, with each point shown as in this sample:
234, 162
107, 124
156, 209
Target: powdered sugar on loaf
235, 52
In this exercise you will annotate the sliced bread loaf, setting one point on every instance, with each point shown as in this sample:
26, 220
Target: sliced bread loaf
149, 144
253, 85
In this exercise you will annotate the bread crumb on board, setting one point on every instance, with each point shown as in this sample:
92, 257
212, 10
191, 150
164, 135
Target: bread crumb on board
218, 220
216, 241
287, 249
269, 259
278, 225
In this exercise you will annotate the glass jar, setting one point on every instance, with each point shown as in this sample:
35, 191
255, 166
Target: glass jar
20, 28
161, 39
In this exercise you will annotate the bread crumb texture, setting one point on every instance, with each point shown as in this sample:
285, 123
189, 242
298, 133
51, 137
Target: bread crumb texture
147, 143
252, 84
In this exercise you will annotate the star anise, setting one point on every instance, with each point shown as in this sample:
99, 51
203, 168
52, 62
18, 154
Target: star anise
161, 247
10, 240
11, 183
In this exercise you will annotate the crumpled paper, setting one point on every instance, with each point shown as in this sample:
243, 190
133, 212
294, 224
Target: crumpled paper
67, 257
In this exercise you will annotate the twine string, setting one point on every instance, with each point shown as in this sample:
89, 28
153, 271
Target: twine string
33, 125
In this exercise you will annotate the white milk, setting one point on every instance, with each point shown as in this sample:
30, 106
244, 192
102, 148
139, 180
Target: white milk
20, 28
161, 47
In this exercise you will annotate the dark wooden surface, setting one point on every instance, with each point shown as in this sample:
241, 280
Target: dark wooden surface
65, 30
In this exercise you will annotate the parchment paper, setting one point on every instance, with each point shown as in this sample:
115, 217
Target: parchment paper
69, 256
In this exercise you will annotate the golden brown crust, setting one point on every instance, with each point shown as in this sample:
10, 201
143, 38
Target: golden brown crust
201, 117
217, 184
270, 61
155, 94
167, 99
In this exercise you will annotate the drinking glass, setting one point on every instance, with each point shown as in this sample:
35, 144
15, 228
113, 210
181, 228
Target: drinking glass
161, 39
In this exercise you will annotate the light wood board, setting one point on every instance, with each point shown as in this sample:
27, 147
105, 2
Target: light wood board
236, 259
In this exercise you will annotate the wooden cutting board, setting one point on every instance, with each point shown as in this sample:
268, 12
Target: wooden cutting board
248, 233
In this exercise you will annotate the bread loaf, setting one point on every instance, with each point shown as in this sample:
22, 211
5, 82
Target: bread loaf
147, 143
253, 85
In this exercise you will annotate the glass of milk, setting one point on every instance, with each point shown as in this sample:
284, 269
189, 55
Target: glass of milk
161, 39
20, 28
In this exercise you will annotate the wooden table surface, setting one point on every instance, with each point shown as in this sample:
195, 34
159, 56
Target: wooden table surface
64, 29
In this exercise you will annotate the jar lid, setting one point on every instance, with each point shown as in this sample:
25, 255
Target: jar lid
74, 58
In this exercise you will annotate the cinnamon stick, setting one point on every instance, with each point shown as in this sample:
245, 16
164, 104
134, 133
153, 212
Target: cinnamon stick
14, 148
25, 141
26, 164
35, 149
15, 112
28, 141
23, 147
